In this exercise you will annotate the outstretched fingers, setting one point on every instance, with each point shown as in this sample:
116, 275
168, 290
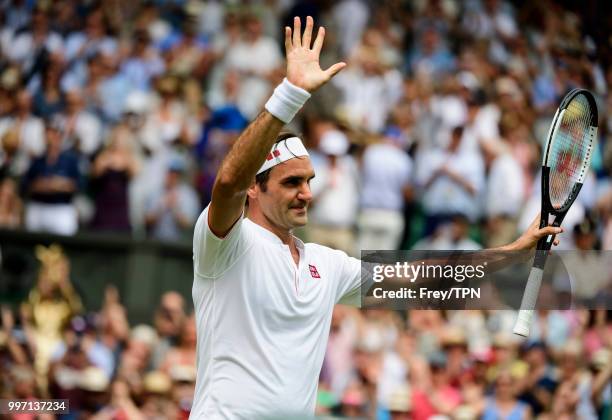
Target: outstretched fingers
318, 42
333, 70
288, 43
297, 30
307, 32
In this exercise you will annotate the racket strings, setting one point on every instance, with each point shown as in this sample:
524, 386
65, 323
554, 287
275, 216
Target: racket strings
570, 150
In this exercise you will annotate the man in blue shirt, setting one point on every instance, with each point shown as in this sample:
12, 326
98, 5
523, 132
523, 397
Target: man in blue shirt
50, 183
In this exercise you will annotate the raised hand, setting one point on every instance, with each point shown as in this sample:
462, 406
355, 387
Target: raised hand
303, 67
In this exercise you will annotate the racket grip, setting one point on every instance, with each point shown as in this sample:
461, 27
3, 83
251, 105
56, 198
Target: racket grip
530, 296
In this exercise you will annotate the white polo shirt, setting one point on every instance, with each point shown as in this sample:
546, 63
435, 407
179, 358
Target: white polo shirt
262, 321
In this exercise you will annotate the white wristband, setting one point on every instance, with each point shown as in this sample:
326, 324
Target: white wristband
286, 101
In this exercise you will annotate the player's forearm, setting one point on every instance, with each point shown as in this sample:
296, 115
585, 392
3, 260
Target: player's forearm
248, 154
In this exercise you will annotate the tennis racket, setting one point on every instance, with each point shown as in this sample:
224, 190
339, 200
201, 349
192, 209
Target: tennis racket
567, 155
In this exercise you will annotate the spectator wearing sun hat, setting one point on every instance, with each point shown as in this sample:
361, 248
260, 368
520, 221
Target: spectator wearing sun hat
335, 194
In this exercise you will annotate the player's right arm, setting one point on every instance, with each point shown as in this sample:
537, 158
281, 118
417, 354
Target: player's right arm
238, 171
246, 156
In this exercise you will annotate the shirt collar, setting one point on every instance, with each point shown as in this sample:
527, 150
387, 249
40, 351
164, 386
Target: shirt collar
270, 236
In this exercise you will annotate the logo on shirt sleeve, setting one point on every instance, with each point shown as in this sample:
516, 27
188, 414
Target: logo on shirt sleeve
314, 273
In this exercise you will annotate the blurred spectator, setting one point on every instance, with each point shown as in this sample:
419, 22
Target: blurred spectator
14, 161
157, 402
48, 98
604, 207
112, 323
256, 57
182, 356
350, 18
335, 193
23, 382
93, 40
437, 395
140, 73
50, 305
430, 57
28, 128
354, 401
400, 404
172, 211
120, 404
504, 403
538, 386
369, 86
169, 320
169, 123
584, 273
220, 130
504, 192
112, 170
452, 235
386, 184
183, 386
598, 334
11, 207
143, 62
601, 367
94, 392
32, 41
136, 357
109, 87
189, 54
573, 396
82, 333
452, 181
51, 182
337, 367
82, 129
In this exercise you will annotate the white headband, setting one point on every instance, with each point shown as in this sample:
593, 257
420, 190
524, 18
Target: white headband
283, 151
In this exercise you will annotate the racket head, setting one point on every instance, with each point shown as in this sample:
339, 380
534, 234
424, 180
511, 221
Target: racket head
568, 151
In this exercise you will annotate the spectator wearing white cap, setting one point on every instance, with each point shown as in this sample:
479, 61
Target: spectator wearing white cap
335, 194
386, 174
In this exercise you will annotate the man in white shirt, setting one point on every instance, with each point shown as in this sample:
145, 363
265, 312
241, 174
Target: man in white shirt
452, 181
263, 299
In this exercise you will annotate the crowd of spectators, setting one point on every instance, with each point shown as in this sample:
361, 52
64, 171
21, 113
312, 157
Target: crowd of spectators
115, 116
382, 364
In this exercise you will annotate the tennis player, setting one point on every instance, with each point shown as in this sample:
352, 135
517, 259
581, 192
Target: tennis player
263, 299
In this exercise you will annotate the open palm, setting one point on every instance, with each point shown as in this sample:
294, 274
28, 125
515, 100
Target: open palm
303, 68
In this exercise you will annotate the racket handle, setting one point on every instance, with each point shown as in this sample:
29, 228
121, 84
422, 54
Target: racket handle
530, 296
